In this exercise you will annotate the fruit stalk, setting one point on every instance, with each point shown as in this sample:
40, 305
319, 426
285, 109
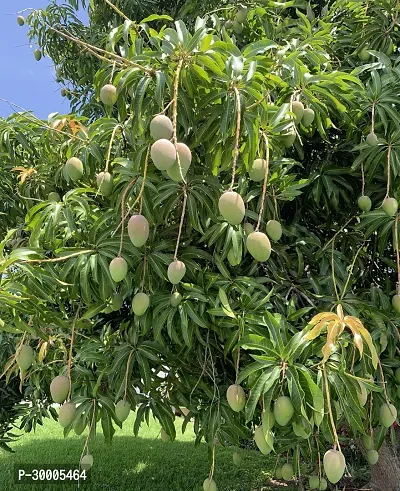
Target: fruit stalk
237, 362
71, 344
373, 117
175, 118
114, 132
396, 241
328, 400
212, 462
85, 446
112, 73
126, 374
388, 171
264, 191
139, 196
370, 415
319, 458
144, 273
292, 98
175, 141
237, 135
383, 382
362, 179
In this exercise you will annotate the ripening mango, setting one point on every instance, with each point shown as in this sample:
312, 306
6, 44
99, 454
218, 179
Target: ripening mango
161, 127
231, 207
59, 388
108, 95
176, 271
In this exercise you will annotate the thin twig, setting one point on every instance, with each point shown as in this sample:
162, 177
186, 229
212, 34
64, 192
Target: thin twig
39, 121
117, 10
351, 270
333, 273
337, 233
57, 259
264, 190
93, 49
260, 101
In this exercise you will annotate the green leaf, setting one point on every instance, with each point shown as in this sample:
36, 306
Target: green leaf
264, 383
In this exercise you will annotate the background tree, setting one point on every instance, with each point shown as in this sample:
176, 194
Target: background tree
289, 106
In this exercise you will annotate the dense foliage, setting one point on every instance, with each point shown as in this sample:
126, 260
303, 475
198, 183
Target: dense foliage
231, 90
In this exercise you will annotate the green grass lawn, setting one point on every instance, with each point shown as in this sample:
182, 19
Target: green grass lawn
144, 463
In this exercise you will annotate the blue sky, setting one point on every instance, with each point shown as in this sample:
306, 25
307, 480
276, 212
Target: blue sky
29, 83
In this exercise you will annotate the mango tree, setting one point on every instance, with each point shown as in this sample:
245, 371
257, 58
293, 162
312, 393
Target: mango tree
215, 229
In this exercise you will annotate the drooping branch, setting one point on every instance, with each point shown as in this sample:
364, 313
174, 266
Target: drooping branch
39, 122
100, 53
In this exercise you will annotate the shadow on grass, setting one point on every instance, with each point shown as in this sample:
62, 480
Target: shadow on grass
139, 464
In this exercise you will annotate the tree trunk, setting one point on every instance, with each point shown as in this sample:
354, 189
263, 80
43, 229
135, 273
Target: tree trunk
385, 474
